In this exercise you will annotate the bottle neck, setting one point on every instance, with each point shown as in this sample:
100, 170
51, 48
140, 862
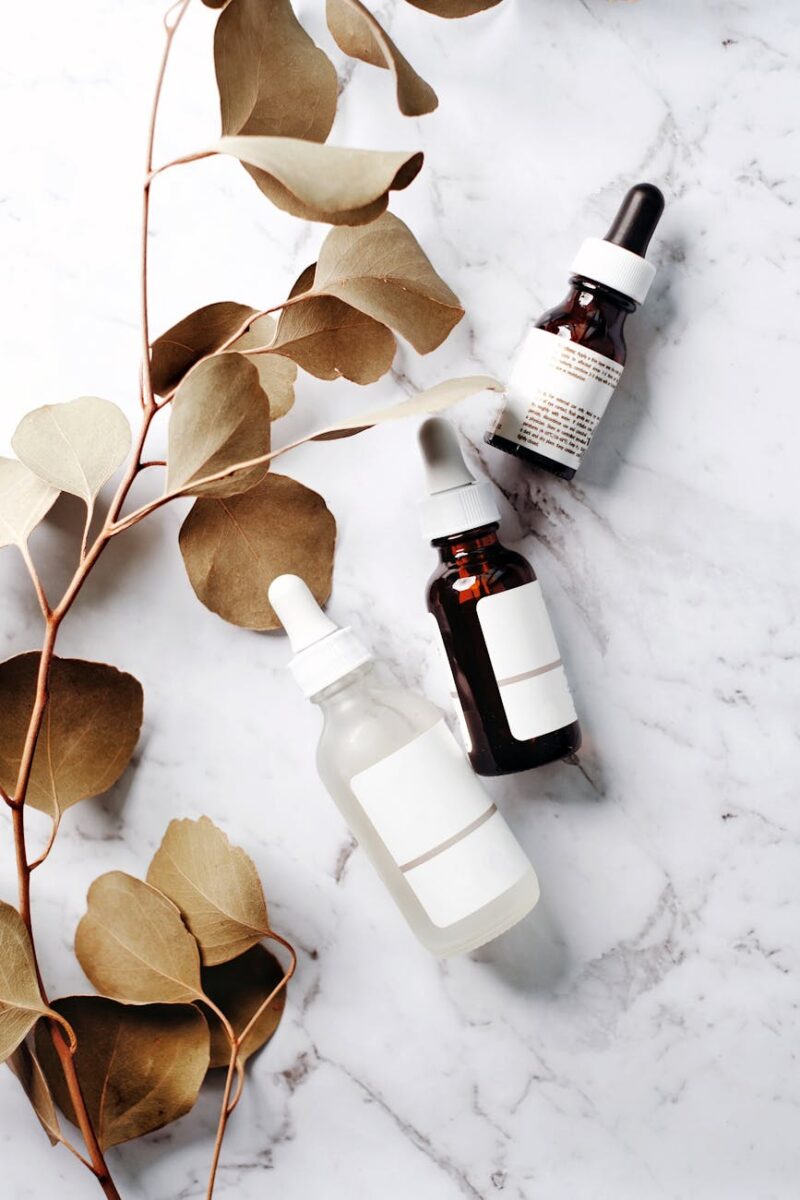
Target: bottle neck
585, 293
470, 547
341, 691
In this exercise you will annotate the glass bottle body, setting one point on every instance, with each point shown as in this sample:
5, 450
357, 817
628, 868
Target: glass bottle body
590, 315
364, 723
475, 565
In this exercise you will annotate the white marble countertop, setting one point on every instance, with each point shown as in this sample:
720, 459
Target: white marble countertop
636, 1038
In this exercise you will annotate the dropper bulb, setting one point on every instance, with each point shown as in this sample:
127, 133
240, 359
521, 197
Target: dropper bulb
636, 220
298, 612
444, 463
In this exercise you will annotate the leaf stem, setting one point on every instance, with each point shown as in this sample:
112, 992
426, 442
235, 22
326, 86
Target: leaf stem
37, 583
53, 619
171, 28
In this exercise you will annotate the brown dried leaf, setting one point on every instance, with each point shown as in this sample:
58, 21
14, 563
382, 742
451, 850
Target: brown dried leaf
215, 3
233, 549
276, 374
75, 447
21, 1002
133, 945
382, 271
324, 183
220, 416
239, 988
25, 1065
139, 1067
360, 35
199, 334
454, 8
432, 400
214, 884
24, 500
272, 79
330, 340
90, 729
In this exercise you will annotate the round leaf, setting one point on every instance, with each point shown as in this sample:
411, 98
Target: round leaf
90, 729
21, 1002
331, 340
239, 988
382, 271
174, 353
234, 548
139, 1067
25, 1065
220, 416
24, 501
454, 8
272, 79
324, 183
360, 35
214, 884
276, 374
76, 447
134, 946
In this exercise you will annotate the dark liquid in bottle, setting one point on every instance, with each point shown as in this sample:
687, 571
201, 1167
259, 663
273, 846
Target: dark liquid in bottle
593, 316
474, 565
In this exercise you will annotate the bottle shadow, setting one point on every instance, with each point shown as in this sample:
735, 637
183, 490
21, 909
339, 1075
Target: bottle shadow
532, 957
630, 404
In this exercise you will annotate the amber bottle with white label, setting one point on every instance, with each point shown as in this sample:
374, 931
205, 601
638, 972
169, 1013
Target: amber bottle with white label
572, 360
405, 788
504, 667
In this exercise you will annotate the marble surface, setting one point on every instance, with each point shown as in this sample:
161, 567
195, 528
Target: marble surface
637, 1036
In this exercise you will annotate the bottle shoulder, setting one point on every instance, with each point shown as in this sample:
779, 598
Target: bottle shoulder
367, 726
592, 318
458, 583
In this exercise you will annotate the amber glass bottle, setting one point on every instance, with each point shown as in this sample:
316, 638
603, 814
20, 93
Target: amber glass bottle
507, 679
572, 359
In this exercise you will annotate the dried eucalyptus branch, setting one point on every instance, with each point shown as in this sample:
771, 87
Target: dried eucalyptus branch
215, 994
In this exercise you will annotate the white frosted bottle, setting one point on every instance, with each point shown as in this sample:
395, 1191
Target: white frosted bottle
406, 789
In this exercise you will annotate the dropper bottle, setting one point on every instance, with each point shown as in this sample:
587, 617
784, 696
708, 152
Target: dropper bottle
504, 666
404, 787
572, 360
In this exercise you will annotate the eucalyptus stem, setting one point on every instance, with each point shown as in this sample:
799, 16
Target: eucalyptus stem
53, 619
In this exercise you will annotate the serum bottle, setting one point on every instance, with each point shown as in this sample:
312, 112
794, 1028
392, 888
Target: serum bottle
403, 785
572, 359
506, 675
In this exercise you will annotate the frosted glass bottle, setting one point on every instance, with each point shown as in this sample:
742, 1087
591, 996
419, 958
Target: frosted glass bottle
406, 790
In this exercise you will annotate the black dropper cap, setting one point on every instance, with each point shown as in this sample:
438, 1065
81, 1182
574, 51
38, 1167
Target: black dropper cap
638, 215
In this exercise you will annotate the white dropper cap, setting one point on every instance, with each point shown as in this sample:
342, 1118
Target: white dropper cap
457, 502
323, 652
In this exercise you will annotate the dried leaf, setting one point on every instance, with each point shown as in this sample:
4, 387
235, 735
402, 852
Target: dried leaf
433, 400
382, 271
233, 549
24, 500
324, 183
214, 884
139, 1067
454, 8
239, 988
215, 3
25, 1065
272, 79
360, 35
134, 946
220, 416
76, 447
199, 334
90, 729
276, 374
21, 1002
330, 339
